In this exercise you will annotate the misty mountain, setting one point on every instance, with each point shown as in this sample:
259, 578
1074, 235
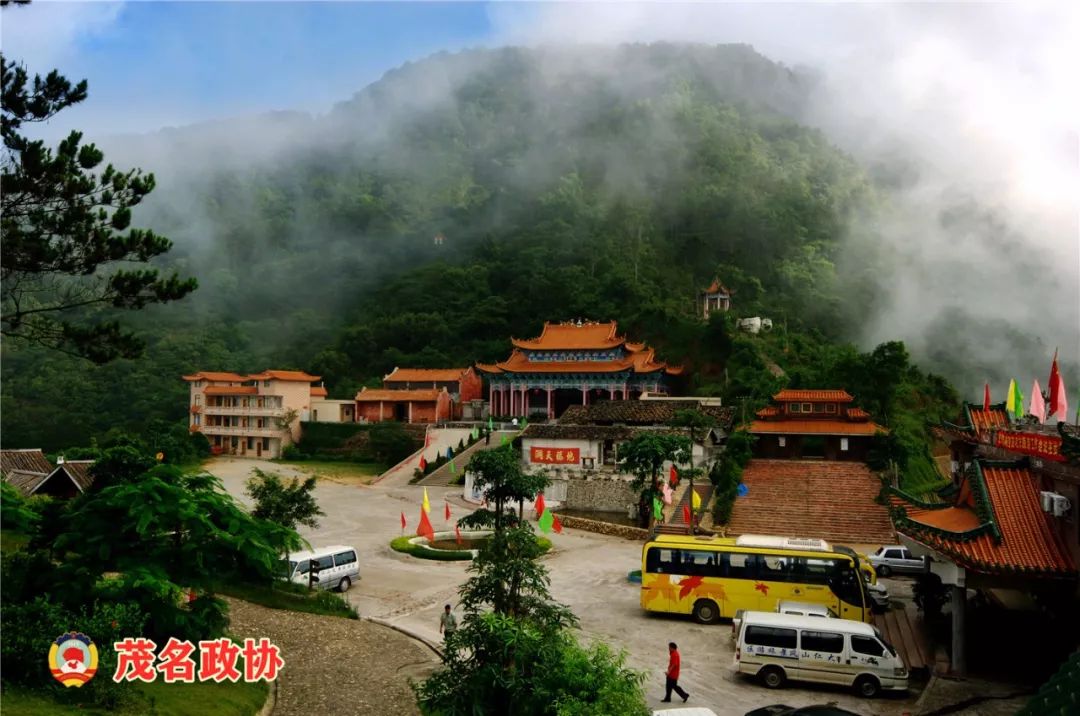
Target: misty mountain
598, 182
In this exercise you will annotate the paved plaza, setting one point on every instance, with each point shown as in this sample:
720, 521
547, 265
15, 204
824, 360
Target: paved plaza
588, 573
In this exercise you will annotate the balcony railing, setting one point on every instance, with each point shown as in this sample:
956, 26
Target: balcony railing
242, 410
235, 430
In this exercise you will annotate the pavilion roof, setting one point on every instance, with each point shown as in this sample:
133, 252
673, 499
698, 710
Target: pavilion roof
717, 287
815, 427
993, 524
424, 375
297, 376
25, 460
984, 420
318, 391
216, 376
573, 336
389, 395
813, 396
639, 362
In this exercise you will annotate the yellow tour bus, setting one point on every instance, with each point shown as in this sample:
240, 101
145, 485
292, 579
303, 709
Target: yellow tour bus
713, 577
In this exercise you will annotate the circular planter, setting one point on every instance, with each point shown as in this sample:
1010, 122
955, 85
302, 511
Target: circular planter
419, 547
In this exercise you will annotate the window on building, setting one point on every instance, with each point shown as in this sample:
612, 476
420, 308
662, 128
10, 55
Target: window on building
198, 399
830, 407
266, 384
235, 442
843, 444
197, 419
782, 440
266, 443
794, 408
609, 452
807, 407
251, 443
588, 463
819, 407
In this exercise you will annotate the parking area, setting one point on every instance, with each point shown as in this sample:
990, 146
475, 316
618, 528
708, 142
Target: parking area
588, 573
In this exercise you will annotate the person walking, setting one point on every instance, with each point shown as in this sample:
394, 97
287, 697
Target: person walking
674, 661
447, 623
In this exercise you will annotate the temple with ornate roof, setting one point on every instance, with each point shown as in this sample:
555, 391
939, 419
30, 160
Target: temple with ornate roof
813, 423
571, 363
1008, 519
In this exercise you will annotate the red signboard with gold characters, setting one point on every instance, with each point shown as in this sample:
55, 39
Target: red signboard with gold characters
1044, 446
555, 456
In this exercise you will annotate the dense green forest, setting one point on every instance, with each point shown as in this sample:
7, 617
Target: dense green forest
605, 184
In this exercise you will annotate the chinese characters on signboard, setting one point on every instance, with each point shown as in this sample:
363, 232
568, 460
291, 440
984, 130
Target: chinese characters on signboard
1044, 446
218, 661
555, 456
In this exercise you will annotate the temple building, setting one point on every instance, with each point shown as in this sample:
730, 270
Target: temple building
716, 298
813, 423
1008, 519
569, 364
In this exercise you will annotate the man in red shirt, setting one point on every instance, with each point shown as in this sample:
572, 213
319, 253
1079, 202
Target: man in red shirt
673, 674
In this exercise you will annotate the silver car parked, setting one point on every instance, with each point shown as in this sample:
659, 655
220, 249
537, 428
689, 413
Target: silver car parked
896, 559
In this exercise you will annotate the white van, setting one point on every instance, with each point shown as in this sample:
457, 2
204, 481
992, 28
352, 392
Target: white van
778, 647
785, 606
337, 567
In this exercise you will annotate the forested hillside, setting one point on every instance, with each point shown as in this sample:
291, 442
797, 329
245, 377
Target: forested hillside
603, 183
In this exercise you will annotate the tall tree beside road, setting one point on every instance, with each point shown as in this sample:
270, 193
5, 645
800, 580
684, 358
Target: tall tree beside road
68, 244
698, 425
514, 653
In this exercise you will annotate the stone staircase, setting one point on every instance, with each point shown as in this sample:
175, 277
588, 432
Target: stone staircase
812, 498
443, 476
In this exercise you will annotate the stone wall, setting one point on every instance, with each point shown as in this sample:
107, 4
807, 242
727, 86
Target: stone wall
604, 494
604, 528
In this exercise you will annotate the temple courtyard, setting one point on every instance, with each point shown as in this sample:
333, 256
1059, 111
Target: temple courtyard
588, 573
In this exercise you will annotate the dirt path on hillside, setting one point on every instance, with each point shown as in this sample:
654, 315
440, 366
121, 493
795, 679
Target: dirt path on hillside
335, 665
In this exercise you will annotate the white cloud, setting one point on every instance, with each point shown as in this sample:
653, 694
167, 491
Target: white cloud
46, 35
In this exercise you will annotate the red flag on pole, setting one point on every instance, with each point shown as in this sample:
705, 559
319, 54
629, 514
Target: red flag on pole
425, 529
403, 522
986, 398
540, 506
446, 513
423, 463
1055, 378
673, 476
555, 524
457, 533
686, 515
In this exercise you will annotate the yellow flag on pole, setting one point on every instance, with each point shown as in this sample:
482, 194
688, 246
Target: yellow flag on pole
427, 505
695, 500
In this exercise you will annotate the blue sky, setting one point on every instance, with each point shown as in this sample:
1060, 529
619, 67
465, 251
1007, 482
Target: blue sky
151, 64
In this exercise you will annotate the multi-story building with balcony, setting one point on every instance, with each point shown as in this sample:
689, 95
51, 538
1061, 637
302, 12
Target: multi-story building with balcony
253, 415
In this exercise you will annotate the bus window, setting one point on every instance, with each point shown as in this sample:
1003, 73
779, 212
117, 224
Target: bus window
738, 566
774, 569
700, 564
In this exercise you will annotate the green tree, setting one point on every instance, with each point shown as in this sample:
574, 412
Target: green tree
514, 653
285, 503
390, 443
66, 230
165, 534
644, 456
14, 512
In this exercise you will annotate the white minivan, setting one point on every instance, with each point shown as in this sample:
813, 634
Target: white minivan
778, 647
337, 567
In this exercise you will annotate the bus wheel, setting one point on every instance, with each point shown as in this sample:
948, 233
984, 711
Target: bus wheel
867, 686
706, 611
772, 676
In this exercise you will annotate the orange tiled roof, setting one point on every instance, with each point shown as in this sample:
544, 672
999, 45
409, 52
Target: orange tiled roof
813, 396
389, 396
634, 347
815, 427
717, 287
857, 414
569, 335
318, 391
1010, 534
24, 460
231, 390
423, 375
288, 375
216, 375
643, 362
768, 411
983, 420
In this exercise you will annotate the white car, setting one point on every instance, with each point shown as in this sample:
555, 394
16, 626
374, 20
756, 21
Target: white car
337, 567
896, 559
685, 711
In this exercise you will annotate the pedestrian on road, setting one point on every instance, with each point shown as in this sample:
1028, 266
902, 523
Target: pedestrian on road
673, 674
448, 623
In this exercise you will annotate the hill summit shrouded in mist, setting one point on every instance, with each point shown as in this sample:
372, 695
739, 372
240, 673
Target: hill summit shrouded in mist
610, 183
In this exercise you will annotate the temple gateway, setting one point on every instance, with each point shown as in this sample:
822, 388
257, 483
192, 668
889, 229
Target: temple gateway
573, 363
